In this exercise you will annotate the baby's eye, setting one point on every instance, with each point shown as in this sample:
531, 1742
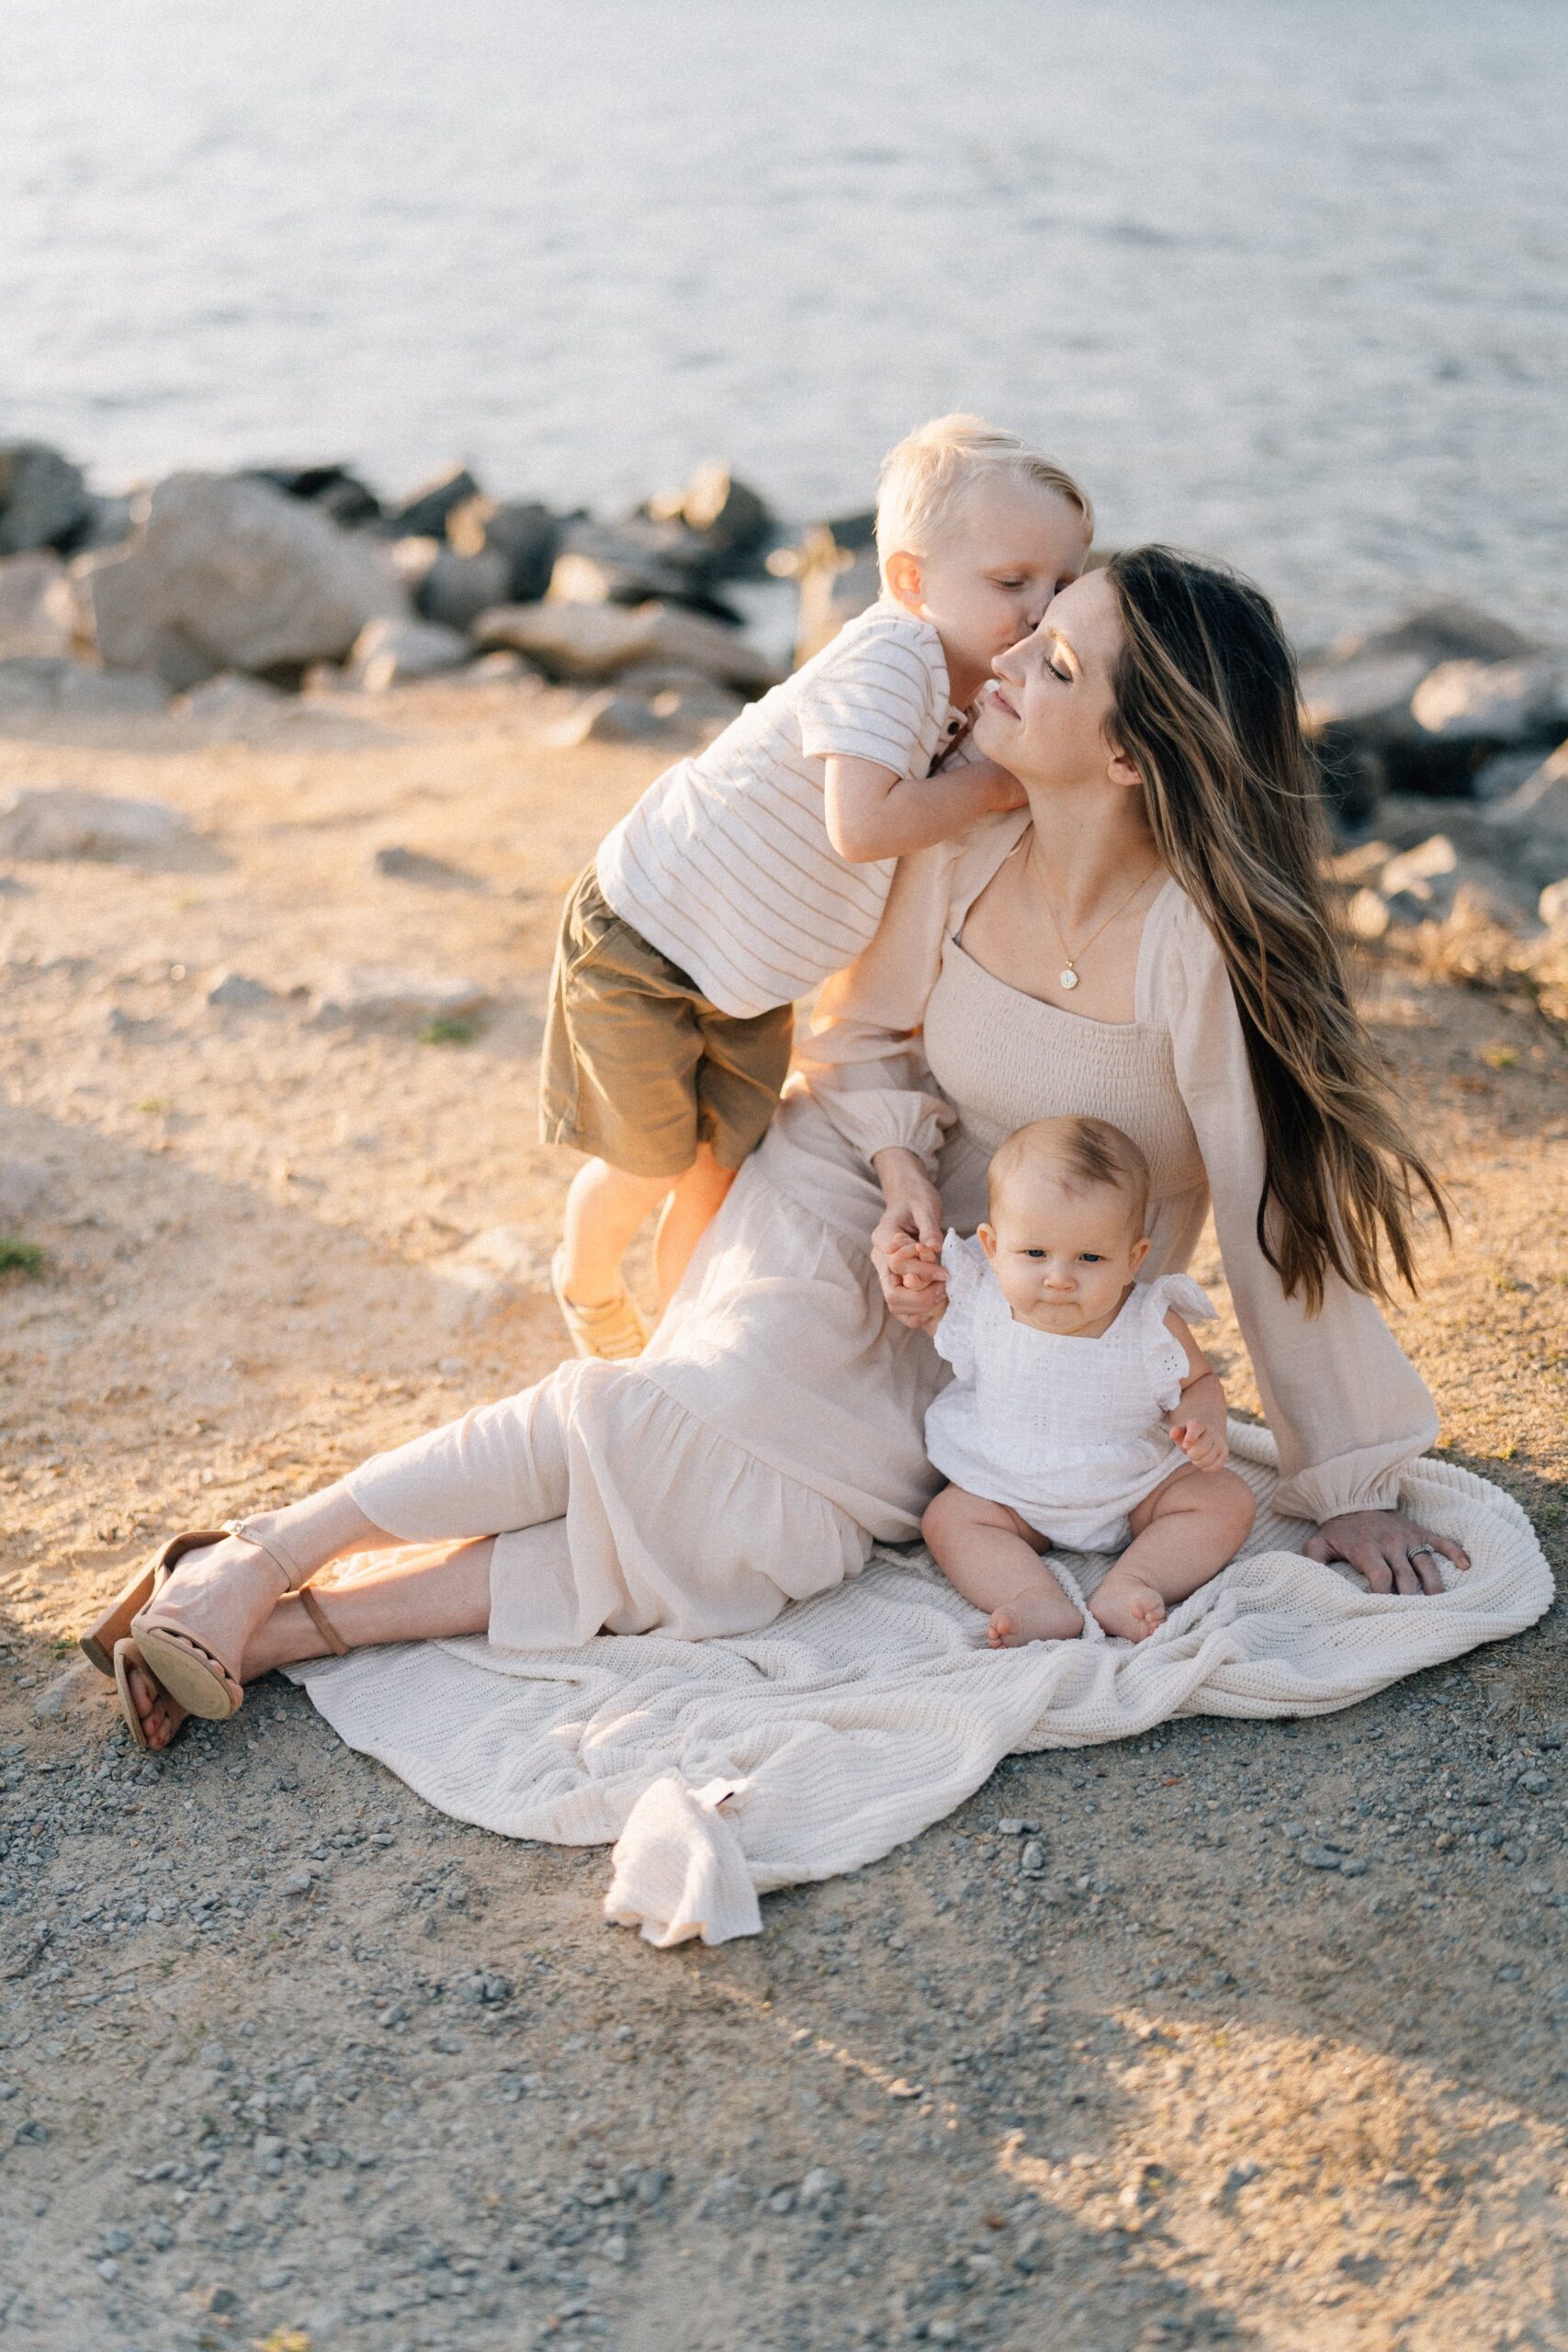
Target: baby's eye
1010, 583
1034, 1253
1091, 1257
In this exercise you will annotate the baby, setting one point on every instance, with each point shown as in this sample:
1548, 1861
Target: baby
1074, 1387
741, 878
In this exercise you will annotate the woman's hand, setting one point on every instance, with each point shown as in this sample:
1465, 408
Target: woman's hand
905, 1248
1392, 1552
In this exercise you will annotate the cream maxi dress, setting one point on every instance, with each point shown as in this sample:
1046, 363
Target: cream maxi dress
773, 1430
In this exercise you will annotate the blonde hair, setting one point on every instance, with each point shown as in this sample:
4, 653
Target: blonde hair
1085, 1154
932, 469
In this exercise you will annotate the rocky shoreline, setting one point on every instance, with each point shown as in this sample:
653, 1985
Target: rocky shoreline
1442, 740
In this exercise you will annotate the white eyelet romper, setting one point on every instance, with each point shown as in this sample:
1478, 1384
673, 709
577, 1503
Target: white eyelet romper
1066, 1431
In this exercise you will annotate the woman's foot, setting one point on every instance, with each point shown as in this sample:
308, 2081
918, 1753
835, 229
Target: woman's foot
215, 1599
1044, 1614
157, 1711
1127, 1608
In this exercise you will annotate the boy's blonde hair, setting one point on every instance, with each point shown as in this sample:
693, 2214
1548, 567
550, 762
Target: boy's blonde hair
1085, 1154
930, 473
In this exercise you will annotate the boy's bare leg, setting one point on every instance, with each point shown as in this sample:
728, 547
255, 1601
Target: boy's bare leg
992, 1557
1183, 1533
691, 1208
605, 1209
434, 1594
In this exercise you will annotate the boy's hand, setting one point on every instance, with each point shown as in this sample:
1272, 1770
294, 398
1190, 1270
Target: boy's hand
1001, 786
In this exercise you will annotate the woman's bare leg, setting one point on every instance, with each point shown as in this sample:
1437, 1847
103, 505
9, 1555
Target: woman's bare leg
224, 1591
433, 1596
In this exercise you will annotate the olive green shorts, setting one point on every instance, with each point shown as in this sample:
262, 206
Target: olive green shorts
639, 1067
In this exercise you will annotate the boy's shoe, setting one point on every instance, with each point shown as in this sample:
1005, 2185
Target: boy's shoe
612, 1332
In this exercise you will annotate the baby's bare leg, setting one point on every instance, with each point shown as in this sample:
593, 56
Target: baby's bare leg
992, 1557
1183, 1533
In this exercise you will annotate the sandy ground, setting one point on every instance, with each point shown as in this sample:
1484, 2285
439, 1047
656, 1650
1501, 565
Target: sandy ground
1177, 2088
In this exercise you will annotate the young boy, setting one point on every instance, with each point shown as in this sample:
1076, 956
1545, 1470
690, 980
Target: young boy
742, 878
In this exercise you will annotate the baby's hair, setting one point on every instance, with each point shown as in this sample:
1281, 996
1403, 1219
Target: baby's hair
930, 472
1085, 1153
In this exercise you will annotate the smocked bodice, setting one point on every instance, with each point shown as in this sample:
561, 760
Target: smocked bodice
1003, 1058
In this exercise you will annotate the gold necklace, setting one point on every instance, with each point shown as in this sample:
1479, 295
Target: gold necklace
1068, 976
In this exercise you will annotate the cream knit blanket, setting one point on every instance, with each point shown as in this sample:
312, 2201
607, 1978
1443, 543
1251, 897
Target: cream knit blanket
723, 1769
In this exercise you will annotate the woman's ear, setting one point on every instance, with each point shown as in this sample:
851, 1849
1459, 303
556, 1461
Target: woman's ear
987, 1241
1121, 772
903, 581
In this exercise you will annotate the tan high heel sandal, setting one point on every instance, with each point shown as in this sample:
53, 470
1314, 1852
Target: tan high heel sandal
200, 1678
98, 1641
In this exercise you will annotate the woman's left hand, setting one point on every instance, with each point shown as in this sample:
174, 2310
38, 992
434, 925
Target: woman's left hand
1392, 1552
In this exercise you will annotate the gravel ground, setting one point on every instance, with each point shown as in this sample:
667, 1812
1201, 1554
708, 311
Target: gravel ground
1234, 2033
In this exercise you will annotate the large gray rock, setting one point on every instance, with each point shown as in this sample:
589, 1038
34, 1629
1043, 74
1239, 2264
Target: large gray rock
454, 589
226, 573
525, 535
1494, 705
1450, 630
598, 641
38, 683
1540, 807
734, 521
627, 563
35, 605
424, 513
63, 821
44, 498
386, 652
1366, 695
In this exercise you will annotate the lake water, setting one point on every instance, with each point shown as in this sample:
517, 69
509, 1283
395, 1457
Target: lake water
1283, 279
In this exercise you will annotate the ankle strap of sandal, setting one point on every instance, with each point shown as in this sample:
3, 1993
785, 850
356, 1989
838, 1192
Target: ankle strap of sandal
289, 1569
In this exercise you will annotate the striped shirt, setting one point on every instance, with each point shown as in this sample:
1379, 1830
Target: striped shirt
725, 865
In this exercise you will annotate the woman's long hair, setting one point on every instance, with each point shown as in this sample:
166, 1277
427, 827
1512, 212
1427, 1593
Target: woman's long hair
1204, 705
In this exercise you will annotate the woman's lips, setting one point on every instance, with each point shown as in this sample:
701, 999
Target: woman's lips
999, 701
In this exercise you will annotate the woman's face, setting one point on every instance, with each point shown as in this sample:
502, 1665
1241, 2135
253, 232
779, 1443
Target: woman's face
1044, 716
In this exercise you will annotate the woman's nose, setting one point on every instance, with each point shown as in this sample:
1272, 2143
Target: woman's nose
1009, 665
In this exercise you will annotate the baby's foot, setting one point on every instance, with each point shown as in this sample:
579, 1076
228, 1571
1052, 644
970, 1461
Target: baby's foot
1046, 1615
1127, 1608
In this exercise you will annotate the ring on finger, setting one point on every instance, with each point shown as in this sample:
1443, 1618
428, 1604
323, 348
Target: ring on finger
1414, 1553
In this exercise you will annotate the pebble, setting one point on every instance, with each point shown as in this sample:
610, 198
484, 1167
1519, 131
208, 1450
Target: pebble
1014, 1828
1319, 1858
299, 1882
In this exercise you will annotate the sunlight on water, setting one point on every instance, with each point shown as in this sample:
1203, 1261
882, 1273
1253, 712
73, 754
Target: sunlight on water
1280, 280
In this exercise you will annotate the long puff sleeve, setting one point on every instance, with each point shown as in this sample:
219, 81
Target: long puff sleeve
863, 1059
1346, 1405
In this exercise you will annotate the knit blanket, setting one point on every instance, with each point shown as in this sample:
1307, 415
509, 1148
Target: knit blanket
721, 1769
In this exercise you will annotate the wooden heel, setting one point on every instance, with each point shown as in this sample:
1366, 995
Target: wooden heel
97, 1642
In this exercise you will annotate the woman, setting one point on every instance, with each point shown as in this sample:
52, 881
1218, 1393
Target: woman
1147, 942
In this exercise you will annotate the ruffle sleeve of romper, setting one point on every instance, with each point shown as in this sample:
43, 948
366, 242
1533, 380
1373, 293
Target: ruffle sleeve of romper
1163, 1352
954, 1335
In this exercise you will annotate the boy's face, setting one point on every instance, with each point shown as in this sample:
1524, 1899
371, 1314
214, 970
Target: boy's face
1063, 1257
986, 583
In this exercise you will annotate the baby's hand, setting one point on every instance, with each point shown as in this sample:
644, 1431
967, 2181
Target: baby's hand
914, 1284
1202, 1441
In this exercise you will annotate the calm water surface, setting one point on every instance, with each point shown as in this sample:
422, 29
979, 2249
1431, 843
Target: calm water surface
1281, 278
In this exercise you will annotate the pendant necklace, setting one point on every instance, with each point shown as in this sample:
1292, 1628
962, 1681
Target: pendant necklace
1067, 977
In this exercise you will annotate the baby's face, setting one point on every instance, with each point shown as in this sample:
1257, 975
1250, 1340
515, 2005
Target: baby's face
1063, 1258
986, 581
